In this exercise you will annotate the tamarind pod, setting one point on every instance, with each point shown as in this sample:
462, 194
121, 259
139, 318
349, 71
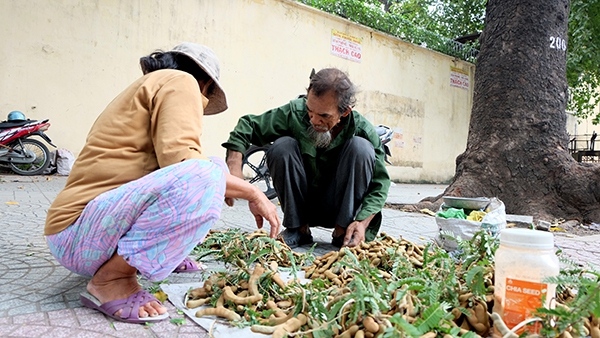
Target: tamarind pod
385, 274
194, 303
376, 261
325, 256
276, 278
344, 319
256, 234
456, 313
221, 283
337, 281
501, 326
410, 306
410, 249
448, 335
272, 306
480, 328
359, 334
595, 331
256, 328
336, 269
595, 321
465, 325
221, 301
284, 304
276, 320
330, 261
254, 279
243, 293
565, 334
369, 335
310, 271
370, 325
229, 295
381, 330
292, 325
350, 332
198, 293
482, 314
219, 312
418, 249
429, 334
415, 261
464, 297
273, 266
330, 274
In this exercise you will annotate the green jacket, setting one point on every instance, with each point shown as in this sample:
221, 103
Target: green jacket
292, 120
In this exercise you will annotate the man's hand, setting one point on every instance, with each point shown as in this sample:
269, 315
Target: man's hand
355, 233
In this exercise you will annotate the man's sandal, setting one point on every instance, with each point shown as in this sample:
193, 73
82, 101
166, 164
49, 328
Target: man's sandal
295, 238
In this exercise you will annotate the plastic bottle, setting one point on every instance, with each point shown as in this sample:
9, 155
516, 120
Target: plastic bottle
523, 260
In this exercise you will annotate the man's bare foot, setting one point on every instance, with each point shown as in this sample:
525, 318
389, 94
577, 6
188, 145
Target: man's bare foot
117, 280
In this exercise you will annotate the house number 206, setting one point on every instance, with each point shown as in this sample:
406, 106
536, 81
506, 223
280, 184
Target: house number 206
557, 42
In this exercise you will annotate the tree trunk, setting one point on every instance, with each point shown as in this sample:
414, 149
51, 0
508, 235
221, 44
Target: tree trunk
517, 143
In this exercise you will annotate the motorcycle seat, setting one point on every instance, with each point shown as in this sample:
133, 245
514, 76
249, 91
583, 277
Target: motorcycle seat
12, 124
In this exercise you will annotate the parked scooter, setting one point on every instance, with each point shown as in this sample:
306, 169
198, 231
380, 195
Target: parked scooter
255, 161
25, 156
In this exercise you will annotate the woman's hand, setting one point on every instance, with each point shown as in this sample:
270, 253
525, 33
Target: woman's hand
263, 208
260, 206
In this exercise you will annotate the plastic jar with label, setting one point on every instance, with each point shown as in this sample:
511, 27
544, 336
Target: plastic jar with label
524, 259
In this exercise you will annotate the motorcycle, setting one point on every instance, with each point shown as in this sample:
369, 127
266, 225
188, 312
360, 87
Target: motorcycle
24, 155
254, 163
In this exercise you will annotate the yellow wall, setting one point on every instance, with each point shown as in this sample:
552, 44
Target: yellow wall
66, 59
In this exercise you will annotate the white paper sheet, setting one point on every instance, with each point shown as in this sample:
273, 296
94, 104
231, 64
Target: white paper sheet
220, 327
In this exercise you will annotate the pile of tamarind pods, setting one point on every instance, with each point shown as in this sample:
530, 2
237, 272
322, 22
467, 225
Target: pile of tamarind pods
250, 296
258, 240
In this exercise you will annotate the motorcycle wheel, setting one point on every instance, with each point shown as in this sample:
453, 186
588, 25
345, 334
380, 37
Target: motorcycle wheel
254, 166
42, 158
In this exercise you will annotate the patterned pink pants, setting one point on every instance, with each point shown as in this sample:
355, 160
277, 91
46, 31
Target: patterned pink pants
153, 222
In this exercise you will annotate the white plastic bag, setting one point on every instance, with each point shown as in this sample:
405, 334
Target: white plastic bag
450, 228
64, 161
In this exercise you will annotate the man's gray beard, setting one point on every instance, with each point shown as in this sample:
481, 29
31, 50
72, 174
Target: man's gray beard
319, 139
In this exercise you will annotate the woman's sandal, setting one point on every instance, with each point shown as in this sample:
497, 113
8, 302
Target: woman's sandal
130, 307
188, 265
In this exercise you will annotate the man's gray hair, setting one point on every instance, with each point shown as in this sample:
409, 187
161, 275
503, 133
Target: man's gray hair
333, 79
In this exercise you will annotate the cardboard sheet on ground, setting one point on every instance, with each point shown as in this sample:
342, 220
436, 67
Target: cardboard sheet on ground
220, 327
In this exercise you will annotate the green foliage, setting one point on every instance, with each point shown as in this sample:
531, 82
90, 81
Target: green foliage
583, 59
371, 13
434, 23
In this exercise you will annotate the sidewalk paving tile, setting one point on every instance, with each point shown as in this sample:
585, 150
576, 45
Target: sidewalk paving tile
41, 298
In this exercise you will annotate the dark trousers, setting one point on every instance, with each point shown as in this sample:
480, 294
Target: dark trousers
337, 200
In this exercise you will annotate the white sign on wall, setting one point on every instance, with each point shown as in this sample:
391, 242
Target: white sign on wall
346, 46
459, 78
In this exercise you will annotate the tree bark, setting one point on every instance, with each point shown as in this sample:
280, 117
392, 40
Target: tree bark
517, 142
